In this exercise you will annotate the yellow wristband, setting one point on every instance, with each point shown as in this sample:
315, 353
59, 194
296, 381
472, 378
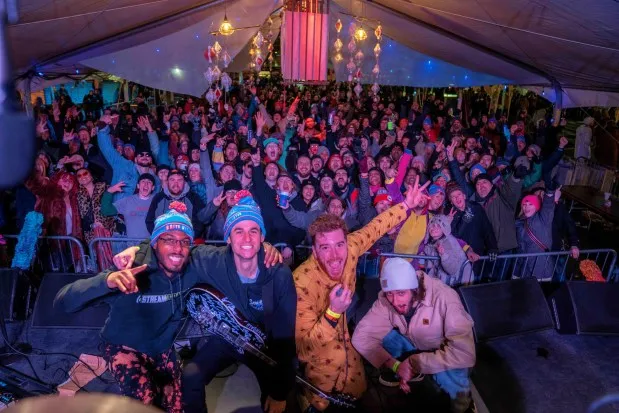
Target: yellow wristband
333, 314
395, 366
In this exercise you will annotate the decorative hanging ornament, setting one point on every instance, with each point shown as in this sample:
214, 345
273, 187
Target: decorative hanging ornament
270, 48
359, 56
210, 96
338, 25
378, 32
217, 48
358, 74
338, 57
377, 50
358, 89
209, 76
338, 45
352, 46
259, 40
226, 59
259, 61
218, 93
351, 29
361, 34
216, 73
375, 88
376, 70
209, 54
226, 81
351, 66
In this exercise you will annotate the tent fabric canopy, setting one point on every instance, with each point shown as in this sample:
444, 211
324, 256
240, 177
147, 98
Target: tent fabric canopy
545, 45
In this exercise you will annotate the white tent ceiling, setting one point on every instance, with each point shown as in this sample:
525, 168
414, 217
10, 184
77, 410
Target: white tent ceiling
527, 42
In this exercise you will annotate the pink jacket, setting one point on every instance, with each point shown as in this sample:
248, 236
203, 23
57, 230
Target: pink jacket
440, 328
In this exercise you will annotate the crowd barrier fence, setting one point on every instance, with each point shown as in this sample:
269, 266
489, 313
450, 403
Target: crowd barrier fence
67, 254
54, 254
545, 266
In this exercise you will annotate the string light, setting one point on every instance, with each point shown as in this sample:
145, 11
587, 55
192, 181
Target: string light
360, 34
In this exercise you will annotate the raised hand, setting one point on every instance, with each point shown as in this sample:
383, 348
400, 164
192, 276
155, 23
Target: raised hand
415, 195
451, 149
124, 280
219, 199
563, 142
118, 187
67, 136
255, 157
41, 127
340, 303
260, 121
124, 259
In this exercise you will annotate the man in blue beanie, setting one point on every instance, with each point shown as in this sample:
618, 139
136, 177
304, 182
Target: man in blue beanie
147, 307
265, 296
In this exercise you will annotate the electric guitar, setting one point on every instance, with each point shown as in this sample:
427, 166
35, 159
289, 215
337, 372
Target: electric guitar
215, 314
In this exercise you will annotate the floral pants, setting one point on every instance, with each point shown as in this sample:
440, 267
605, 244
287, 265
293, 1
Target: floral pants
154, 380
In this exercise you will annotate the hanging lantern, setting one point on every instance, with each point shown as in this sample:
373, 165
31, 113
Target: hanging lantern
226, 81
258, 40
358, 74
338, 25
216, 73
304, 60
226, 29
209, 54
375, 88
217, 93
358, 89
338, 57
376, 70
252, 52
259, 61
210, 96
360, 34
351, 66
377, 50
217, 48
226, 59
209, 76
352, 46
378, 32
359, 56
338, 45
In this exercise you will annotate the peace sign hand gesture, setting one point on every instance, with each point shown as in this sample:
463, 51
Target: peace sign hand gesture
415, 195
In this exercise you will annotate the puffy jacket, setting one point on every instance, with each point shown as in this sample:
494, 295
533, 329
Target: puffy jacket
440, 328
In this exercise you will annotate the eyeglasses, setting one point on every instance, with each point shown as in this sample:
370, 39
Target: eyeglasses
145, 154
82, 174
231, 192
172, 242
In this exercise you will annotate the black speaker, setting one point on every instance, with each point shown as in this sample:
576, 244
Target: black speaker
506, 308
18, 289
583, 307
46, 316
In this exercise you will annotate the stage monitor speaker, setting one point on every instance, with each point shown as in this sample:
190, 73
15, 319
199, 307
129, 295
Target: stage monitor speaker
506, 308
45, 315
18, 288
583, 307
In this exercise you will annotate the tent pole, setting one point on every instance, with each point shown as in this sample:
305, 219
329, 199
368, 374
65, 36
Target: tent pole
558, 103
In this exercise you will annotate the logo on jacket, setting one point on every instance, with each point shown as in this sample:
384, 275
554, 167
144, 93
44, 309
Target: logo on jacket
156, 299
468, 215
256, 304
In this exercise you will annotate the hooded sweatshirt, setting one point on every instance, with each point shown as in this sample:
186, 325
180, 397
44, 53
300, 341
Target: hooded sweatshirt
146, 321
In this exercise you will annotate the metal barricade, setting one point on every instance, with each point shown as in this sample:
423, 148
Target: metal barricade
55, 253
545, 266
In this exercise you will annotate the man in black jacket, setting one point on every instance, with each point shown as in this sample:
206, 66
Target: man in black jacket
146, 308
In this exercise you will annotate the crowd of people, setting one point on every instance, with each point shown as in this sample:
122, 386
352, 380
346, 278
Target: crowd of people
341, 174
303, 154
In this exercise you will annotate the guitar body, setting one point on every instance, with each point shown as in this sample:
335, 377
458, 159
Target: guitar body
215, 314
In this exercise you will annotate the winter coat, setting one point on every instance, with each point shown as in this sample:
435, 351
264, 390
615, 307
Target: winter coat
564, 233
500, 206
440, 328
473, 227
90, 210
539, 225
196, 209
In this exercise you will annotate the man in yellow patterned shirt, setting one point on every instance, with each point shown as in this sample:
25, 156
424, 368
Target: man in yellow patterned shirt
325, 284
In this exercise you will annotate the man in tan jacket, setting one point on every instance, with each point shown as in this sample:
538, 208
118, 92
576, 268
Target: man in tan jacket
418, 326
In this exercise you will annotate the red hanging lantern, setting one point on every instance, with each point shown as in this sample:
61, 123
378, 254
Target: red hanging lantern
305, 40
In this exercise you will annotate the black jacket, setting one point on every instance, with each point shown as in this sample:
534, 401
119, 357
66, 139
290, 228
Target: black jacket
473, 227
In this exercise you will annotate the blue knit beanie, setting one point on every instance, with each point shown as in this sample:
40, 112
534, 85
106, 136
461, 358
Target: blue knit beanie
435, 189
173, 220
479, 167
269, 141
246, 209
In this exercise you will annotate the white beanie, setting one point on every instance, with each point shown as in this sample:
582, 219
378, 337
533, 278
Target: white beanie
398, 274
